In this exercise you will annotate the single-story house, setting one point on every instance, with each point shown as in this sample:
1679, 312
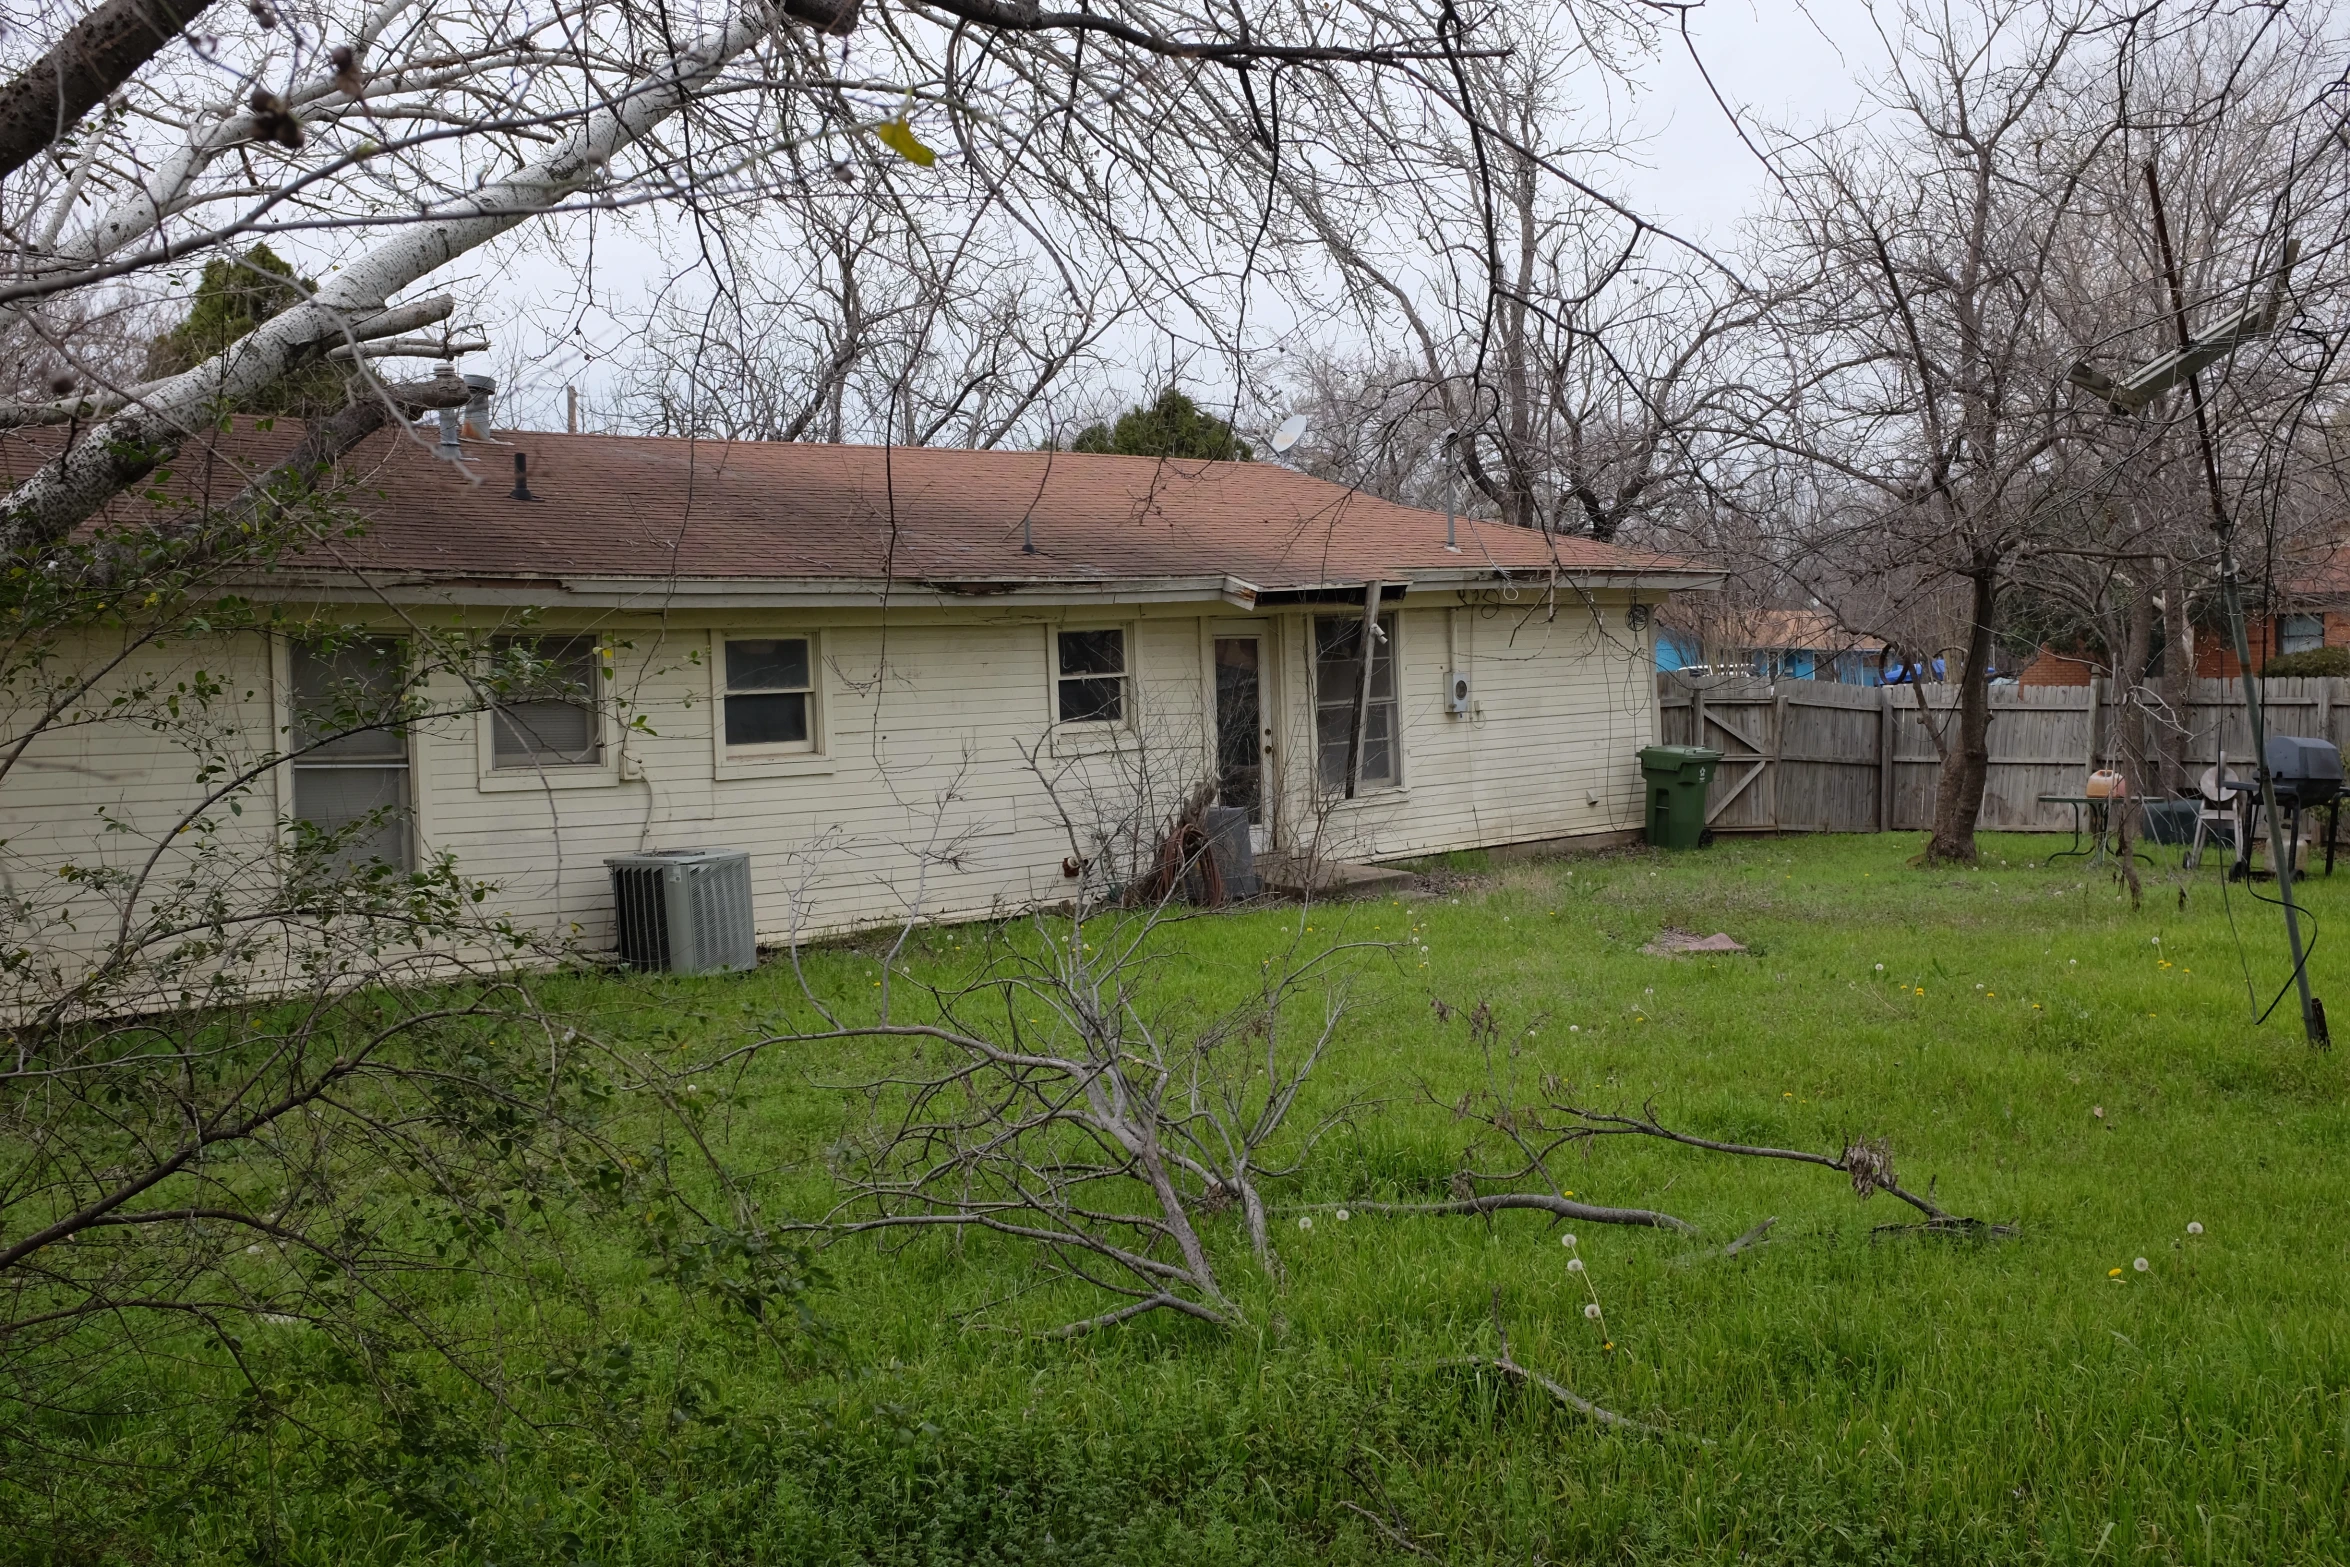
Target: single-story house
1771, 644
904, 680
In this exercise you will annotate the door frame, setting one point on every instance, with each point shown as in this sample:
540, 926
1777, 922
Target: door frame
1266, 629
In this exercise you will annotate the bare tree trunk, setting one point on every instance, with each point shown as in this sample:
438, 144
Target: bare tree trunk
2130, 729
55, 498
97, 54
1966, 763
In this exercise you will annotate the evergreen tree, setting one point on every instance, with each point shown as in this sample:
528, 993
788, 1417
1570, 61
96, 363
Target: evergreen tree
1173, 426
235, 295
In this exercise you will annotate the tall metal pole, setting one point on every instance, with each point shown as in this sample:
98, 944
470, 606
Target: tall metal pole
2313, 1012
1370, 651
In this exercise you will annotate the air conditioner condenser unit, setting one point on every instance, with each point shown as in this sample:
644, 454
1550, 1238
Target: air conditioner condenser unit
685, 911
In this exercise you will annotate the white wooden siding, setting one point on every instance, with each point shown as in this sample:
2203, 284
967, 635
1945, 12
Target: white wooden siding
1560, 706
920, 793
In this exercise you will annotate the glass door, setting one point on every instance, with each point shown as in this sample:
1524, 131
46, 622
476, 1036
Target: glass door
1241, 735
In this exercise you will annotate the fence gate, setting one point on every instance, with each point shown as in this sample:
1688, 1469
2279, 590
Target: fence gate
1813, 756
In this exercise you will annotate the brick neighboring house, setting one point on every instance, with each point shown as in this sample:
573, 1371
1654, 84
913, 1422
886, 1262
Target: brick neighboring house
2311, 611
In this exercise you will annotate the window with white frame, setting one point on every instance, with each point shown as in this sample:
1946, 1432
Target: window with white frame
548, 702
350, 758
770, 694
1338, 674
2301, 633
1091, 686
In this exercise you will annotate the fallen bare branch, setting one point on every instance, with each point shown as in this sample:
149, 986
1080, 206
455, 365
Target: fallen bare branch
1758, 1236
1496, 1202
1868, 1161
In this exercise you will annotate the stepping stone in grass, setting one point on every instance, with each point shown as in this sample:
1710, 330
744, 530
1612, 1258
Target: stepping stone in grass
1671, 943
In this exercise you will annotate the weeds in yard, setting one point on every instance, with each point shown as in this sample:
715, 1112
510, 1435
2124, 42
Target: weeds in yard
1865, 1403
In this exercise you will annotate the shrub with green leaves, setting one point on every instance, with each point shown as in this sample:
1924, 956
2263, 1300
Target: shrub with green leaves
2317, 663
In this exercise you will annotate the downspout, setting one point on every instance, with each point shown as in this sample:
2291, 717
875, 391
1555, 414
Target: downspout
1370, 653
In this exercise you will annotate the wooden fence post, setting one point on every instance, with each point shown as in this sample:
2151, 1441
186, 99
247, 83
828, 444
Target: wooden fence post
1778, 750
1888, 732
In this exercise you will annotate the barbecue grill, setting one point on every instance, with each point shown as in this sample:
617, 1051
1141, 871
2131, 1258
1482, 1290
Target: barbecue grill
2304, 772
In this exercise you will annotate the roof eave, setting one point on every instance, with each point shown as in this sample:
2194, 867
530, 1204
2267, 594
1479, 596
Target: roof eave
642, 593
1661, 579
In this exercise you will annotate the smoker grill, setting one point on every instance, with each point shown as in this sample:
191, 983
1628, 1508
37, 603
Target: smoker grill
2304, 772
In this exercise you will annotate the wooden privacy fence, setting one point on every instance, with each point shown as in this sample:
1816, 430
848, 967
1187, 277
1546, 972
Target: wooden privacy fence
1811, 756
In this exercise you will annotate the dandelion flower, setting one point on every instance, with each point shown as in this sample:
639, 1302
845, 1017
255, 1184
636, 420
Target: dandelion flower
1305, 1221
1343, 1215
2141, 1265
2194, 1226
1880, 968
1574, 1265
1568, 1240
2113, 1273
1592, 1311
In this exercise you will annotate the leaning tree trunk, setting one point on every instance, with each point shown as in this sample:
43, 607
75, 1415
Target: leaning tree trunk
46, 506
1966, 761
98, 53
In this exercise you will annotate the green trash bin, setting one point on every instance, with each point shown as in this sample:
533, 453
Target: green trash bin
1675, 778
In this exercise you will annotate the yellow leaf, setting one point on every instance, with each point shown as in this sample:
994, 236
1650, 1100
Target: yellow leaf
899, 138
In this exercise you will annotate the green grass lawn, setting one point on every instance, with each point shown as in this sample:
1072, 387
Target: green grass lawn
1837, 1396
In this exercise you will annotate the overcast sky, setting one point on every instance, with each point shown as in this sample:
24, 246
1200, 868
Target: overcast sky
1784, 63
1793, 63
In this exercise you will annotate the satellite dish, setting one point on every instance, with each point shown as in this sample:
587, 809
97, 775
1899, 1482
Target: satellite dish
1287, 436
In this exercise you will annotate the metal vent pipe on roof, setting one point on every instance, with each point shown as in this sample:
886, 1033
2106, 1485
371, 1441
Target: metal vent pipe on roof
451, 418
477, 406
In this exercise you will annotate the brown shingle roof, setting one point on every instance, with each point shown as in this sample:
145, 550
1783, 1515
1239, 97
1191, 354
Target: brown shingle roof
641, 507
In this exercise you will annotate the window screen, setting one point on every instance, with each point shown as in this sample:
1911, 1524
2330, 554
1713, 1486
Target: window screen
2301, 633
767, 692
548, 712
1092, 679
1337, 677
350, 764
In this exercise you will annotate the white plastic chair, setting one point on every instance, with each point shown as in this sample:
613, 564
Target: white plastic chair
2218, 808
